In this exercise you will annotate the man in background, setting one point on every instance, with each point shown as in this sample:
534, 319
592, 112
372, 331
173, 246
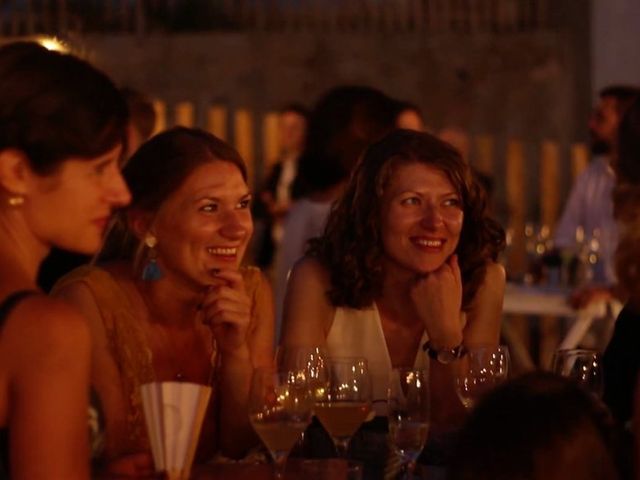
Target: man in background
589, 208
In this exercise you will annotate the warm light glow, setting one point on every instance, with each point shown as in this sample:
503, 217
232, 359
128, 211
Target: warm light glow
51, 43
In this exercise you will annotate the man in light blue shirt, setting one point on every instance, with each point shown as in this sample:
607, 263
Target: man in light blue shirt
590, 205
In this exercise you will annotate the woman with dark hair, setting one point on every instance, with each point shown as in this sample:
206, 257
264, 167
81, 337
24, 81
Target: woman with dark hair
171, 302
62, 130
537, 427
406, 263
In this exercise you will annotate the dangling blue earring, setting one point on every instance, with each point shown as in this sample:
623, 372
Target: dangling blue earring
151, 270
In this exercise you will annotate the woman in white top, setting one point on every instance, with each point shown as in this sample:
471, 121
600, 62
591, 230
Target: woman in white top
407, 261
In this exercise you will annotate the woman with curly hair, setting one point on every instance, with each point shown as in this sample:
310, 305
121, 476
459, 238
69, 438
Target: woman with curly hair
406, 263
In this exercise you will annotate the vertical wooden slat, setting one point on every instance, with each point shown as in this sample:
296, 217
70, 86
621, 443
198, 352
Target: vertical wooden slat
549, 189
14, 18
270, 140
30, 20
243, 129
217, 121
62, 16
484, 154
140, 20
184, 114
579, 159
160, 108
516, 201
550, 335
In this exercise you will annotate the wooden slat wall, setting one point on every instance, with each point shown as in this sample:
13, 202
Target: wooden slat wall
388, 16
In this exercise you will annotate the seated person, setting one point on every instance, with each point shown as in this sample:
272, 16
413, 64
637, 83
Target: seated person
62, 133
171, 302
537, 427
406, 262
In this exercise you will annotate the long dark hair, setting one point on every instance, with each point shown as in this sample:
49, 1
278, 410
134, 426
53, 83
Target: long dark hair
54, 106
351, 247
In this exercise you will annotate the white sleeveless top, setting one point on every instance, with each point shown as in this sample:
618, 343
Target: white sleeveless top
358, 333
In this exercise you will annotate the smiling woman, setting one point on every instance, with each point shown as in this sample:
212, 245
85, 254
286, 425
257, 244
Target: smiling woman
407, 260
170, 300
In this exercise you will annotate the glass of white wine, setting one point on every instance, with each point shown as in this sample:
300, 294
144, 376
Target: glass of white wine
280, 406
479, 371
346, 403
408, 413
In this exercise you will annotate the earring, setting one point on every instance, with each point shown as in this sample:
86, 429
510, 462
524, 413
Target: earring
16, 201
151, 270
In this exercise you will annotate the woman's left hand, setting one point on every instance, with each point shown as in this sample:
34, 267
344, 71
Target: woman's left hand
227, 310
437, 297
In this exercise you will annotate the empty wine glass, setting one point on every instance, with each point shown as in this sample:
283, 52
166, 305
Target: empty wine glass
347, 401
280, 405
480, 370
408, 413
583, 366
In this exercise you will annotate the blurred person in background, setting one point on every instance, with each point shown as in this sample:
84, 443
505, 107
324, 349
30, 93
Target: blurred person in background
539, 426
589, 205
275, 197
344, 121
169, 300
62, 135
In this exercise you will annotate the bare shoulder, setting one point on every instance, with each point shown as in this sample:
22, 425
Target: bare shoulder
495, 275
309, 272
308, 313
45, 326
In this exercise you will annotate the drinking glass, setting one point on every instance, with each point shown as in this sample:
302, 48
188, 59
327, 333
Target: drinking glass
583, 366
280, 406
310, 360
347, 401
408, 412
480, 370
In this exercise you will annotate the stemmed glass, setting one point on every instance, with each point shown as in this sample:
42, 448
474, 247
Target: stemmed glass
408, 413
480, 370
280, 405
312, 360
583, 366
347, 401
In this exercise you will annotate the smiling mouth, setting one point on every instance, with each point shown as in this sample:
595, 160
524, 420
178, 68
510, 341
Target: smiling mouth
223, 251
429, 243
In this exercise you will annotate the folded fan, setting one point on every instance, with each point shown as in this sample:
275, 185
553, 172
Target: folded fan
174, 412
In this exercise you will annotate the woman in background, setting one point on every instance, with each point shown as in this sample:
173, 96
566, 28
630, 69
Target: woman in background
170, 302
62, 130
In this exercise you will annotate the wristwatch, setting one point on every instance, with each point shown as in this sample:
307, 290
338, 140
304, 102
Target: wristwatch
445, 355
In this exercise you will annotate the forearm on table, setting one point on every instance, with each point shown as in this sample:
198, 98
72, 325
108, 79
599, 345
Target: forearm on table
234, 381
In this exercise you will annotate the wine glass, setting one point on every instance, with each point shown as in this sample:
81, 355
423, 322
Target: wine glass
311, 360
408, 413
280, 406
480, 370
583, 366
347, 401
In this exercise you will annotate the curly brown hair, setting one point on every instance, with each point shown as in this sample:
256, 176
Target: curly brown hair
351, 246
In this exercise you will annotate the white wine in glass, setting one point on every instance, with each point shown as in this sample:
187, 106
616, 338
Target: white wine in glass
280, 405
347, 402
479, 371
408, 413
